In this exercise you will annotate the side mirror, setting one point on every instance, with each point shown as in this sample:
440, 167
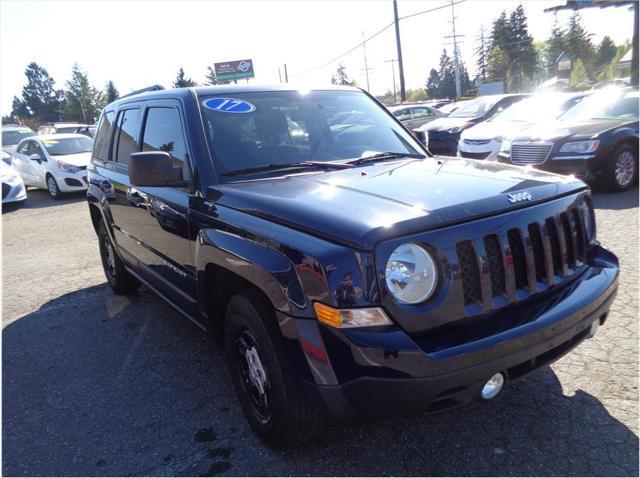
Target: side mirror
154, 169
36, 157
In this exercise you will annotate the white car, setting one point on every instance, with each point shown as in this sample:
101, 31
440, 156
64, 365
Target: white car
483, 140
13, 189
11, 136
57, 162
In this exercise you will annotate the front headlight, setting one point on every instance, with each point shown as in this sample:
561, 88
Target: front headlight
580, 146
411, 274
67, 168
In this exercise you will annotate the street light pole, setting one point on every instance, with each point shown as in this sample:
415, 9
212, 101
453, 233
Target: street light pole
403, 95
393, 75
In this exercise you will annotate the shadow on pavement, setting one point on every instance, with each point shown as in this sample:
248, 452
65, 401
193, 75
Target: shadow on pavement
624, 200
98, 384
38, 198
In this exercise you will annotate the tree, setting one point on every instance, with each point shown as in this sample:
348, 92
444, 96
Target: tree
340, 77
481, 55
110, 92
554, 47
40, 101
433, 84
606, 52
500, 31
577, 42
82, 102
578, 73
497, 64
520, 51
211, 78
182, 81
447, 77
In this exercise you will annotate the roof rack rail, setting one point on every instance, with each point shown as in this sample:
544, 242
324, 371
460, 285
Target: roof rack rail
143, 90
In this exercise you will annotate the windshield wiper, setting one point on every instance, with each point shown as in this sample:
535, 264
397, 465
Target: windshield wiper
275, 167
384, 156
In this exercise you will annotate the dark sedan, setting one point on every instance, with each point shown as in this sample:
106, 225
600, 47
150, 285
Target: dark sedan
597, 140
442, 135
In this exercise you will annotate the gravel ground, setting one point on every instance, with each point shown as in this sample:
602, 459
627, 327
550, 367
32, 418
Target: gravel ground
95, 384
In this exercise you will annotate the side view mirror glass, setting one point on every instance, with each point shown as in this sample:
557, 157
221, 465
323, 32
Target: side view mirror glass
154, 169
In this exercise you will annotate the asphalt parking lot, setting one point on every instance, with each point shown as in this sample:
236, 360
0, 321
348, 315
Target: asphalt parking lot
96, 384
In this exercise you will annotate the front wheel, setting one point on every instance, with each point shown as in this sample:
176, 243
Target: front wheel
268, 388
52, 187
622, 172
120, 280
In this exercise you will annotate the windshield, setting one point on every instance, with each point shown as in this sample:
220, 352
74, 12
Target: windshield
64, 146
13, 137
475, 108
539, 108
284, 127
610, 103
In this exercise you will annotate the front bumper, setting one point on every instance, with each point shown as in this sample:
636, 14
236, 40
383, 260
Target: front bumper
71, 182
488, 151
442, 143
374, 373
13, 191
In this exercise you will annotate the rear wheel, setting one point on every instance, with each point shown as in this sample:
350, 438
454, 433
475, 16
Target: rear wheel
120, 280
52, 187
268, 388
622, 172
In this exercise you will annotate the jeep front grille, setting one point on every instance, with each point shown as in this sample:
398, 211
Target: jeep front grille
523, 261
530, 153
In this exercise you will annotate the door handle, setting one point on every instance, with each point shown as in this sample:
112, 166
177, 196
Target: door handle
137, 197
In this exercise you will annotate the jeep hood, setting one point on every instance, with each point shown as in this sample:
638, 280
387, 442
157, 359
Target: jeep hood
364, 205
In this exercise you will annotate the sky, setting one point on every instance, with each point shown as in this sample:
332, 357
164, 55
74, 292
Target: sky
140, 43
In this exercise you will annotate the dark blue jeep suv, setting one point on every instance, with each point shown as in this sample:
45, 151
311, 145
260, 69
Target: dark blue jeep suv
351, 273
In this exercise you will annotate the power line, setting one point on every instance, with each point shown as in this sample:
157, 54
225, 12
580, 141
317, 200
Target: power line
351, 50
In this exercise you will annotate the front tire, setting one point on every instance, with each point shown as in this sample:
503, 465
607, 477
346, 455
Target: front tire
117, 276
622, 172
52, 187
268, 388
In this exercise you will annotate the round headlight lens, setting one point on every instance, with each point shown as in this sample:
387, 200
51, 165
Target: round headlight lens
411, 274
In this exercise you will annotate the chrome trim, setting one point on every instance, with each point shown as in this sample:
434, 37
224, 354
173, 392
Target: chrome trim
531, 143
576, 157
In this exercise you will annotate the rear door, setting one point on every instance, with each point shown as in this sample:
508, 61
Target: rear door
38, 169
20, 160
152, 224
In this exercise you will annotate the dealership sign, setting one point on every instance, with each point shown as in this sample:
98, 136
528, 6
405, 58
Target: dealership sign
232, 70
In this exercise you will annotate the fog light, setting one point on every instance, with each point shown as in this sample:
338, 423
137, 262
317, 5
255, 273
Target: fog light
493, 386
594, 328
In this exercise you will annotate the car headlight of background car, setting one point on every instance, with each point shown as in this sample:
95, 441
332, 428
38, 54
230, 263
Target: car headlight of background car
411, 274
10, 177
581, 147
67, 168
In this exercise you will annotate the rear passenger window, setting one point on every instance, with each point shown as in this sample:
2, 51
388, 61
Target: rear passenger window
163, 132
101, 147
23, 149
126, 135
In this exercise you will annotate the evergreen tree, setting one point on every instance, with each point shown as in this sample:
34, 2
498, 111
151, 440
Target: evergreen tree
82, 102
520, 51
182, 81
433, 84
481, 55
606, 52
555, 46
578, 73
40, 101
501, 31
110, 92
211, 79
340, 77
577, 42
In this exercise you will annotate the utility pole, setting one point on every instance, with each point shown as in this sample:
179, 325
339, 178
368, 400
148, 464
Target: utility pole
403, 94
393, 75
456, 60
286, 76
280, 75
366, 68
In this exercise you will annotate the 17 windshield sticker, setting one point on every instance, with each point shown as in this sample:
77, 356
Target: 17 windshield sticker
228, 105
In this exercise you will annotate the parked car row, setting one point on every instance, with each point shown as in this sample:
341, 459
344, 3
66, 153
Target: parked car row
591, 134
55, 159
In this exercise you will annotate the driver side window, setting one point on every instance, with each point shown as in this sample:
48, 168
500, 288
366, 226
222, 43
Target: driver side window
34, 148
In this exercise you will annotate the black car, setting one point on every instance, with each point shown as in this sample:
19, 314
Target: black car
441, 135
350, 273
596, 140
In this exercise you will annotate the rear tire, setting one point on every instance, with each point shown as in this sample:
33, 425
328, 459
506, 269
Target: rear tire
120, 280
622, 170
267, 386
